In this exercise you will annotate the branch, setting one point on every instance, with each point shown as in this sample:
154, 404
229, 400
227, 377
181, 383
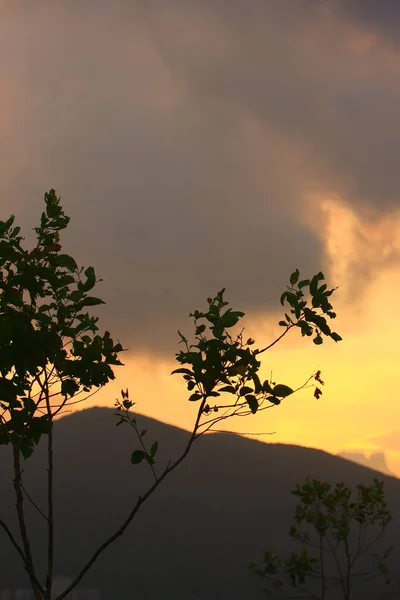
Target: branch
278, 339
70, 403
13, 540
37, 588
140, 437
135, 509
244, 432
341, 576
50, 504
322, 564
33, 502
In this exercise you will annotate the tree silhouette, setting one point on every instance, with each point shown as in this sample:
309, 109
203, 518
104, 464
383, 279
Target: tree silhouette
51, 353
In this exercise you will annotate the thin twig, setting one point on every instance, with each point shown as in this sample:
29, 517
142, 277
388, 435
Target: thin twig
277, 339
135, 509
18, 548
33, 502
50, 503
37, 588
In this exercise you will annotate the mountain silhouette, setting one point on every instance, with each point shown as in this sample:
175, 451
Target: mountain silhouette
223, 507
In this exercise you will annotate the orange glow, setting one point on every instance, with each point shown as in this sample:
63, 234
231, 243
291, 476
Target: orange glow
359, 407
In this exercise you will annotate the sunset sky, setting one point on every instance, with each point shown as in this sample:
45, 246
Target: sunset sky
221, 143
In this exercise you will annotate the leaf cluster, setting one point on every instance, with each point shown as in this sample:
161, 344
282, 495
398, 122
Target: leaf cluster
309, 317
123, 407
48, 340
222, 363
332, 509
339, 526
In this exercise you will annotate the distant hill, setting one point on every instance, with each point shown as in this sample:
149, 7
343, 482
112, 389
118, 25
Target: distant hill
222, 508
376, 460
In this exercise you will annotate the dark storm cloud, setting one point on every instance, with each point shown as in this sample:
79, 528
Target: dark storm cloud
291, 65
382, 18
183, 137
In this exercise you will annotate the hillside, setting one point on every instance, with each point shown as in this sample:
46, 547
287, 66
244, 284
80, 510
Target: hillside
224, 506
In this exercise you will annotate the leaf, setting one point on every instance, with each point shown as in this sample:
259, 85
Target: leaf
317, 377
273, 400
246, 390
281, 390
321, 324
91, 301
195, 397
64, 260
318, 340
26, 448
7, 252
303, 283
257, 384
53, 210
5, 225
229, 319
292, 299
39, 425
76, 295
317, 300
200, 329
238, 369
283, 323
294, 277
335, 336
252, 402
228, 388
306, 329
137, 456
15, 232
154, 448
69, 387
90, 280
266, 387
222, 304
314, 285
186, 371
66, 280
218, 330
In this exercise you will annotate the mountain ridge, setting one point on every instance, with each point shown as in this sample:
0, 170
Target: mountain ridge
223, 507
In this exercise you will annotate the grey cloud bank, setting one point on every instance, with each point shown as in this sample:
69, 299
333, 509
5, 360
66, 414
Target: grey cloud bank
184, 138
